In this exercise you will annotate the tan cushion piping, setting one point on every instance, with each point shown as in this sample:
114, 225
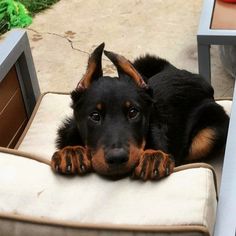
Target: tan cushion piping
24, 155
121, 227
223, 98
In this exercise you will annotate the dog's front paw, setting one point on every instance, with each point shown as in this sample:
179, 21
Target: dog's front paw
153, 165
71, 160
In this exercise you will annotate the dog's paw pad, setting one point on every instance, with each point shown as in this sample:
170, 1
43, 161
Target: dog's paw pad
71, 160
154, 165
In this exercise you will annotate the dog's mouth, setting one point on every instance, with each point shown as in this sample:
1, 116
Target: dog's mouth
119, 171
112, 171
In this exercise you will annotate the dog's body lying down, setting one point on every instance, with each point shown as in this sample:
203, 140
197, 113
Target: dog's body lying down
143, 122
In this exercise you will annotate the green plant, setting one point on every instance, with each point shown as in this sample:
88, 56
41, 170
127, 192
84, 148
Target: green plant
13, 14
35, 6
17, 13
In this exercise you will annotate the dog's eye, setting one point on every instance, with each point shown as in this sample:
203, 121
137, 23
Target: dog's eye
133, 113
95, 116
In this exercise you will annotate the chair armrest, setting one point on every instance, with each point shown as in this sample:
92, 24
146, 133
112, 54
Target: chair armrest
19, 88
15, 51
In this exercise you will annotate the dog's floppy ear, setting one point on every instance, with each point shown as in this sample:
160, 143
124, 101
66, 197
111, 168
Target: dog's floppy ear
125, 67
94, 68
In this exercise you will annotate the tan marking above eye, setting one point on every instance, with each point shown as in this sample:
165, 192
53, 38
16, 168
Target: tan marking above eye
127, 104
99, 106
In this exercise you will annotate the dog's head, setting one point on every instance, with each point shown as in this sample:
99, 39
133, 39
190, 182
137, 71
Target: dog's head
112, 114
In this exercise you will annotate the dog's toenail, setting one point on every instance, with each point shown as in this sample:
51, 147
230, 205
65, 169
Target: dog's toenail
155, 172
82, 167
57, 168
167, 171
68, 169
142, 174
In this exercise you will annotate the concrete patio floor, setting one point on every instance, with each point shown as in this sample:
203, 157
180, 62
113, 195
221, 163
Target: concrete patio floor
62, 37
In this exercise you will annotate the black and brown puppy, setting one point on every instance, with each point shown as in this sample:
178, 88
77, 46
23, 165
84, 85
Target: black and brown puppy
136, 122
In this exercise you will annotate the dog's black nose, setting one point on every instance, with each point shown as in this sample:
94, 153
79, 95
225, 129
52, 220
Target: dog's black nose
116, 156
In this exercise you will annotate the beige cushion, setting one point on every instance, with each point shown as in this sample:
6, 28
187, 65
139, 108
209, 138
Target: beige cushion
31, 192
34, 200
